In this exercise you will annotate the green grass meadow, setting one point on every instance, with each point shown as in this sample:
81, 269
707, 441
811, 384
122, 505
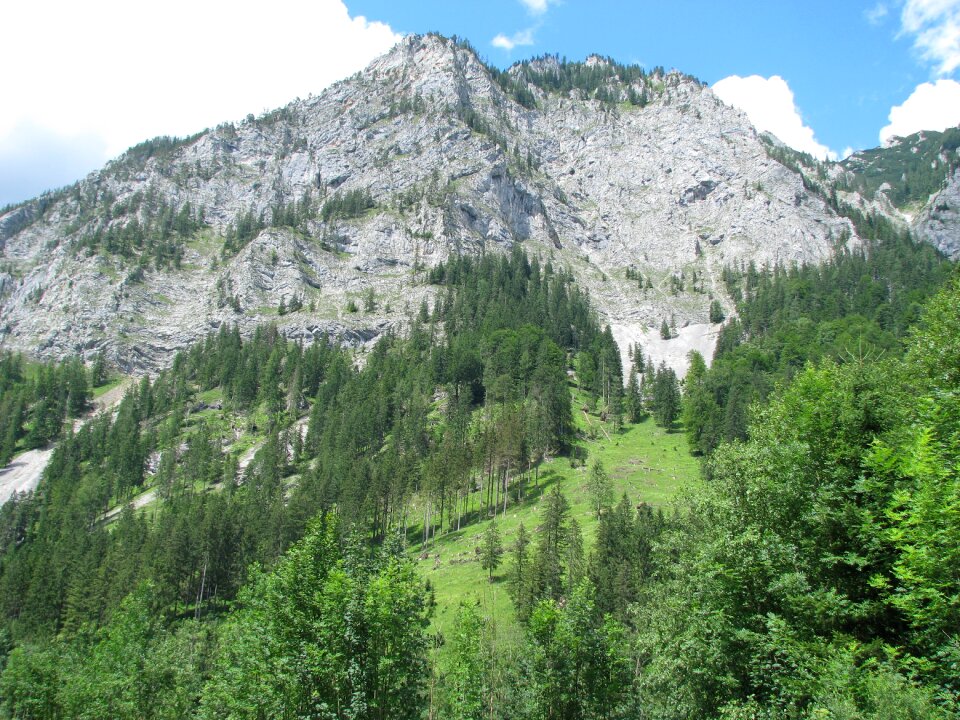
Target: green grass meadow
645, 462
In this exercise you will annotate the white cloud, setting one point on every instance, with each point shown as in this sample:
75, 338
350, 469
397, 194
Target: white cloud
126, 71
935, 25
876, 14
524, 37
536, 7
931, 106
769, 104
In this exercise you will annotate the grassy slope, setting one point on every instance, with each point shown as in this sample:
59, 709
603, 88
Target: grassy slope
645, 461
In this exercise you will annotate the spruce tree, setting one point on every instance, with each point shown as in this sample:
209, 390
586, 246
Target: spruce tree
632, 401
491, 552
600, 487
666, 396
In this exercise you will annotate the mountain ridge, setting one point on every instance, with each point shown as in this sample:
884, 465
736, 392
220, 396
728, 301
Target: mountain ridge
653, 177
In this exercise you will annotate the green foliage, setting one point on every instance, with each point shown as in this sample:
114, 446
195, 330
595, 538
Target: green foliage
581, 668
854, 307
557, 565
469, 669
34, 405
666, 396
160, 149
912, 169
633, 399
601, 488
132, 668
716, 312
240, 232
143, 229
622, 561
605, 80
491, 551
346, 205
335, 631
815, 573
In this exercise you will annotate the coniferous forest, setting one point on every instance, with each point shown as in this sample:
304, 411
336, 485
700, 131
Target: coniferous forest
240, 537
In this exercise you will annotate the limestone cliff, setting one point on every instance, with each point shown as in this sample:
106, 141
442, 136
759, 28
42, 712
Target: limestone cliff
339, 202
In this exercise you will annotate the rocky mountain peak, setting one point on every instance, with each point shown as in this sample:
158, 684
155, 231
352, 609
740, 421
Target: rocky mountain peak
644, 184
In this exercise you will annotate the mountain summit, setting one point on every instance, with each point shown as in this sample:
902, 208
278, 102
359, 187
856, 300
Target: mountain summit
325, 214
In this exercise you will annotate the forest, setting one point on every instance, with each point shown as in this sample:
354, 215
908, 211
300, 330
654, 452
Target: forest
241, 537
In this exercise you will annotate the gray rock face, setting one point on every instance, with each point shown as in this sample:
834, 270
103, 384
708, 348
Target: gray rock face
674, 191
939, 222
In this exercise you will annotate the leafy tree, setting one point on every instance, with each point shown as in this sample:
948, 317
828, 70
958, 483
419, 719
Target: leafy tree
580, 664
466, 685
331, 633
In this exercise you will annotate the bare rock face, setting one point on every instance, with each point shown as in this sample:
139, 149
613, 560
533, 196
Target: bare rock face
671, 192
939, 222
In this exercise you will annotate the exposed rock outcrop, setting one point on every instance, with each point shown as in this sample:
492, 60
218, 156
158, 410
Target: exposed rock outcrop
674, 190
939, 222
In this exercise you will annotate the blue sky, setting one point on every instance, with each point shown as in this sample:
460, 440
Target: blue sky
94, 78
847, 62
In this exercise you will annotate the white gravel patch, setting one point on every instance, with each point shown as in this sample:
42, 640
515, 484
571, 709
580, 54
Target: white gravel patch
23, 473
701, 337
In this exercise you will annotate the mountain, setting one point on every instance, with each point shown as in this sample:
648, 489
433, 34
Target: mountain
913, 181
644, 184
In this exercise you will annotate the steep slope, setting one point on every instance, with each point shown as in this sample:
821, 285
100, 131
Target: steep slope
338, 202
938, 223
913, 181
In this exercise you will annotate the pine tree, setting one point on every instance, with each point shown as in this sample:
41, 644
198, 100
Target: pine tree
600, 487
520, 574
575, 566
638, 359
491, 551
666, 396
551, 543
632, 400
716, 312
98, 373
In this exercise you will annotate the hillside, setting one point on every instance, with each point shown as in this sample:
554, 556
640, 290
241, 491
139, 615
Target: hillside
427, 152
911, 182
459, 393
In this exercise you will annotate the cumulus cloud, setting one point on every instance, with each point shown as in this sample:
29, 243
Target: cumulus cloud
931, 106
935, 25
122, 72
524, 37
769, 104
